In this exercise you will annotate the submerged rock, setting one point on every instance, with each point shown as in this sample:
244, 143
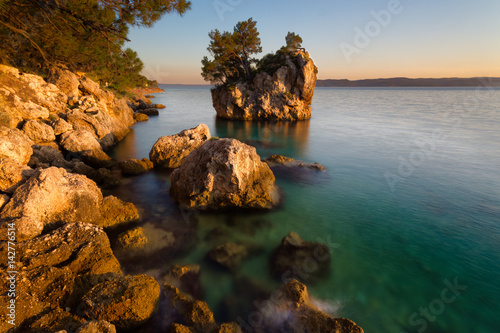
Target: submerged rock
132, 239
290, 162
229, 255
134, 167
221, 174
170, 151
125, 301
292, 309
298, 259
186, 278
284, 95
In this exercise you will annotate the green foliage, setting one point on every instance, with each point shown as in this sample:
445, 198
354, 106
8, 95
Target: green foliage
231, 55
83, 35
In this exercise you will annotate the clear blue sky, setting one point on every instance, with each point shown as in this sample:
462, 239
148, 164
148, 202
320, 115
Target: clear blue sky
421, 38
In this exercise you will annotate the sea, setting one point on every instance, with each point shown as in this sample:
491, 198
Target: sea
409, 206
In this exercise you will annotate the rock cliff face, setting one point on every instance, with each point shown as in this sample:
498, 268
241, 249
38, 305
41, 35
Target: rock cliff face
285, 95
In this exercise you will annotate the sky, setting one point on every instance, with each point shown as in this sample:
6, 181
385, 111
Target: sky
347, 39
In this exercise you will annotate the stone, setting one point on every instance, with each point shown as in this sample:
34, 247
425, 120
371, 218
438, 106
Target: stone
61, 126
159, 106
283, 95
125, 301
46, 154
222, 174
15, 144
38, 131
149, 112
53, 195
140, 117
229, 255
13, 174
132, 239
186, 278
54, 271
4, 199
115, 211
134, 167
290, 162
96, 158
66, 81
26, 228
79, 140
294, 254
170, 151
96, 326
292, 309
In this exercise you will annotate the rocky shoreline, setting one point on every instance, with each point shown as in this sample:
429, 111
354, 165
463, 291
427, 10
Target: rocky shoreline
55, 221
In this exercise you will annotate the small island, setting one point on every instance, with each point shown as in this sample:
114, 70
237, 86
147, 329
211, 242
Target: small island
280, 86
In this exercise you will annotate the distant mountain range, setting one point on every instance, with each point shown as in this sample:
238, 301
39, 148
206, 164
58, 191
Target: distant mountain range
406, 82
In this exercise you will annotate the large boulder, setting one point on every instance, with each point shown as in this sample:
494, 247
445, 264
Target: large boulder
79, 140
170, 151
125, 301
285, 94
13, 174
54, 271
300, 259
134, 167
53, 195
38, 131
292, 309
221, 174
15, 144
115, 211
66, 81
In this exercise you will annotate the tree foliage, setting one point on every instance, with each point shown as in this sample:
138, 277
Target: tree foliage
232, 52
83, 35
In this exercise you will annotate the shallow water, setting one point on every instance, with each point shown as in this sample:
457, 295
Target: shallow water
410, 204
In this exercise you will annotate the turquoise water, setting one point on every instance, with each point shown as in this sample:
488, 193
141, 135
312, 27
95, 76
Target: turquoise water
410, 204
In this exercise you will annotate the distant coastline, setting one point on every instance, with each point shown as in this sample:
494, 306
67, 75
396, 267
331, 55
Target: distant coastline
407, 82
391, 82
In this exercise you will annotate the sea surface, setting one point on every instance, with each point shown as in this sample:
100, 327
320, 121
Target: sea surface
409, 206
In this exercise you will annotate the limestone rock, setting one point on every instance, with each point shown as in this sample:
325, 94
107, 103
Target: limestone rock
291, 309
96, 326
4, 199
134, 167
38, 131
290, 162
66, 81
79, 140
170, 151
186, 278
139, 117
296, 254
125, 301
13, 174
223, 174
15, 144
55, 270
284, 95
229, 255
46, 154
96, 158
53, 195
61, 126
149, 112
115, 211
26, 228
132, 239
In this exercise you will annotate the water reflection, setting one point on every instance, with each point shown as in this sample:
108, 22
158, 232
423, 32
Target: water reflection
289, 137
